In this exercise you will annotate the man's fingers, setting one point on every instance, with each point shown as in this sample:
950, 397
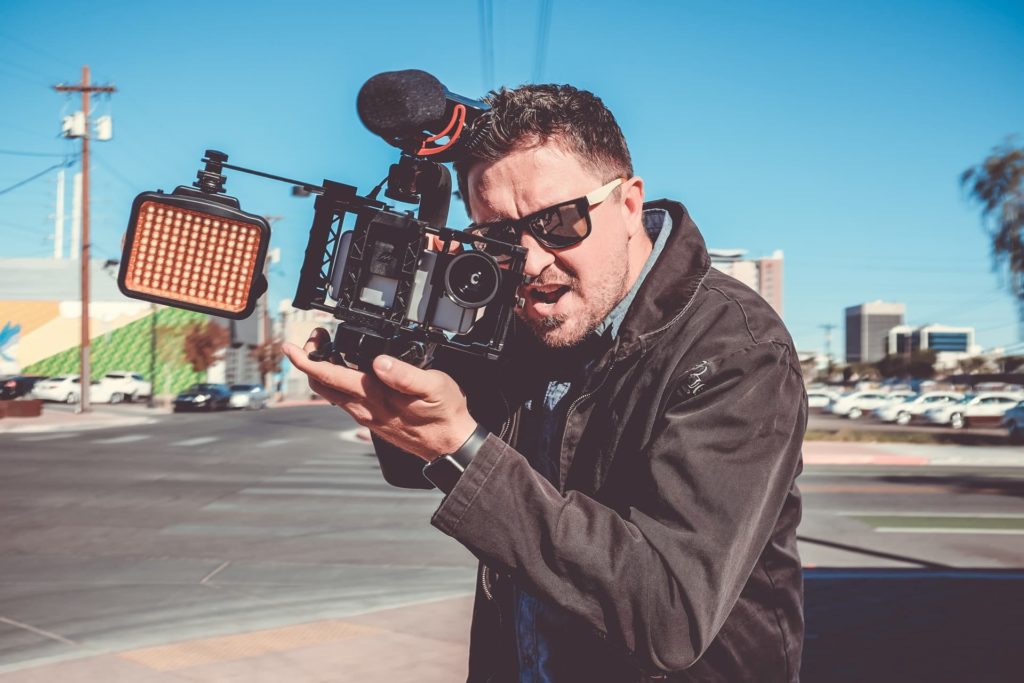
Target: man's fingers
317, 337
337, 377
405, 378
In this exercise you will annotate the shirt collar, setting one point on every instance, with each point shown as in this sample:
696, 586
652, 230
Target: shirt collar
658, 225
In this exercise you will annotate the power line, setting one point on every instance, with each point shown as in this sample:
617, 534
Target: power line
543, 27
15, 186
487, 42
15, 153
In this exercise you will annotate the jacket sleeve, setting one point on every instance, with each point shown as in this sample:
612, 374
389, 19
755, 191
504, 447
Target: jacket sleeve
399, 468
662, 577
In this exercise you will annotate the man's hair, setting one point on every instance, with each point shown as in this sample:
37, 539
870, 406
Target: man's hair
534, 115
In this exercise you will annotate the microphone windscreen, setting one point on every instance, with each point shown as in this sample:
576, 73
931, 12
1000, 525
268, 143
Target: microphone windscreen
398, 103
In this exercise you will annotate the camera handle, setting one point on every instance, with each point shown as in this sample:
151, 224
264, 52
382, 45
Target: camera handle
357, 350
414, 180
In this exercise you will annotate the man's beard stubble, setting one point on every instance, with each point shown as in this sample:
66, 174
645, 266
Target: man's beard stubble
603, 299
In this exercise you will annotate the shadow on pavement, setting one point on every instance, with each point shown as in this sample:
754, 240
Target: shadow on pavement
907, 625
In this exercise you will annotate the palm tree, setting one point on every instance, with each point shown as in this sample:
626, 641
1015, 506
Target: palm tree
997, 184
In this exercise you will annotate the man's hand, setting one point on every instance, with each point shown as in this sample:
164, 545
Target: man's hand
422, 412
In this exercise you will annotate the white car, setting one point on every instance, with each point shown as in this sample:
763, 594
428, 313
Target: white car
126, 385
903, 413
62, 388
251, 396
859, 402
819, 399
974, 410
68, 389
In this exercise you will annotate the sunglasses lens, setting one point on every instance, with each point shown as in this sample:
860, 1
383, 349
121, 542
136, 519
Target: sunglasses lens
500, 232
561, 226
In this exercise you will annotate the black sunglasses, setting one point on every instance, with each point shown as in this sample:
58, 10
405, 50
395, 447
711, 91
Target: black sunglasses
556, 227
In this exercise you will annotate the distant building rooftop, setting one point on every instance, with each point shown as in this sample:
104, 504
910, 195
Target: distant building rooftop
24, 279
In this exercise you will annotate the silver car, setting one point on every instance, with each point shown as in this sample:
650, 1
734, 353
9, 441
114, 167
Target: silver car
249, 396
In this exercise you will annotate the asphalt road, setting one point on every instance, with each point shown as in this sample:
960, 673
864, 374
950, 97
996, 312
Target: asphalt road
201, 524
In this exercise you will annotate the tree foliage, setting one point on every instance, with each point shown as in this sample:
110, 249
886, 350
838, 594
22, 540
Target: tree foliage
204, 343
997, 184
268, 356
919, 365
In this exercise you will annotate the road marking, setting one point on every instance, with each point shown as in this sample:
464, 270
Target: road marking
39, 631
198, 441
214, 573
925, 513
352, 436
123, 439
270, 443
946, 530
875, 488
51, 437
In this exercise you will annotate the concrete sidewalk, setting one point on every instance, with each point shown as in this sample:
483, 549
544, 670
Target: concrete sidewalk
423, 643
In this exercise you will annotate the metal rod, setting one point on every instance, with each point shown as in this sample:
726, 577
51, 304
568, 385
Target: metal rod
309, 187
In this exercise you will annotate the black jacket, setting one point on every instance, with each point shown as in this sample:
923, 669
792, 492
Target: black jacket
672, 535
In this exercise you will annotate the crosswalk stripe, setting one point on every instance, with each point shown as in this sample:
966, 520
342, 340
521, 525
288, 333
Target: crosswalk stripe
369, 478
51, 437
198, 441
123, 439
270, 443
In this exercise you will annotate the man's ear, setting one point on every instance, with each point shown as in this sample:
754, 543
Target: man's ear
633, 204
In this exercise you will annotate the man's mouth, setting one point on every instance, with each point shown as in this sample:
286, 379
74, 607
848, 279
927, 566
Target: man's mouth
547, 294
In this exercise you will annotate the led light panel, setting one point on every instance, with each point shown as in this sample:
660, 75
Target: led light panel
192, 257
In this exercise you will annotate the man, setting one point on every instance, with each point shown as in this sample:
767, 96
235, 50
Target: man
626, 476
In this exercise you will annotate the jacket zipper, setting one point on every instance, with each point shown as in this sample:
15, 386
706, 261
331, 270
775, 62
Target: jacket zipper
568, 417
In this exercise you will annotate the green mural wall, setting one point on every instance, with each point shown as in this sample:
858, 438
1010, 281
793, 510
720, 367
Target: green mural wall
128, 348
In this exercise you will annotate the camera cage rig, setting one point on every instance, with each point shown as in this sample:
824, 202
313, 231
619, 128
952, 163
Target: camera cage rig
368, 330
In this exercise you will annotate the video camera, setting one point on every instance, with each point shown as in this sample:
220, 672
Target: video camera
399, 283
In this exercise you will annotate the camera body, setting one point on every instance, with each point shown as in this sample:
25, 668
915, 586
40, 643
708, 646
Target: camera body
402, 286
398, 283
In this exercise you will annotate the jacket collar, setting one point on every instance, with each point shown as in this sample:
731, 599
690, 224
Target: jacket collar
664, 294
671, 283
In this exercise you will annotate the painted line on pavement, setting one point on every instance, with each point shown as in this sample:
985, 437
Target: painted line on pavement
352, 436
947, 530
925, 513
198, 441
271, 443
39, 631
51, 437
352, 493
123, 439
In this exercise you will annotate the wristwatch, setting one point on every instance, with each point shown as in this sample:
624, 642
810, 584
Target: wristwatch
444, 471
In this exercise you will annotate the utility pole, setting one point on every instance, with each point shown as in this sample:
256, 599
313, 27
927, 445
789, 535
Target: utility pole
86, 89
828, 327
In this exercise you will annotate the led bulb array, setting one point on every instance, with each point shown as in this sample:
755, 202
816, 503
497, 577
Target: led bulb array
193, 257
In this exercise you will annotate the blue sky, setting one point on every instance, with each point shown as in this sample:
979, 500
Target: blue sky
833, 131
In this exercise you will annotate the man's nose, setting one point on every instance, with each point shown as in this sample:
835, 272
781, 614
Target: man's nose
537, 257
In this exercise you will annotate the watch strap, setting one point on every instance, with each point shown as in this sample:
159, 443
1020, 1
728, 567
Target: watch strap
444, 472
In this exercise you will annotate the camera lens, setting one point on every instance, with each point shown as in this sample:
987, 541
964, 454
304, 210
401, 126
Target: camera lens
471, 279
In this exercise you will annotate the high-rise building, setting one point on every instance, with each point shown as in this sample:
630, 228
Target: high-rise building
867, 330
763, 275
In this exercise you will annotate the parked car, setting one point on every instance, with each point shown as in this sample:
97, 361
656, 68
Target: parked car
17, 386
203, 397
252, 396
974, 410
819, 399
904, 412
855, 404
1013, 420
68, 389
62, 388
126, 385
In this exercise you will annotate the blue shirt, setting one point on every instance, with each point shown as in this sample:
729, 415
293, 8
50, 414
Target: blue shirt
539, 624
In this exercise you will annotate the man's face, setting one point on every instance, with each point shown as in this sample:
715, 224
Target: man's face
575, 288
